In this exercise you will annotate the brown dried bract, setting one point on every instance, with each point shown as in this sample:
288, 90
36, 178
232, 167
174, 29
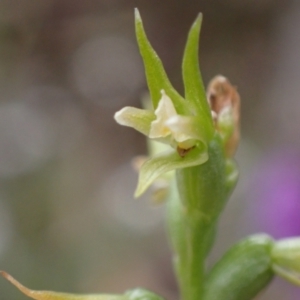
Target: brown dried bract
220, 93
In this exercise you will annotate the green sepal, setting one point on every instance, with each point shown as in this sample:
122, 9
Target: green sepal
242, 272
157, 78
168, 161
193, 84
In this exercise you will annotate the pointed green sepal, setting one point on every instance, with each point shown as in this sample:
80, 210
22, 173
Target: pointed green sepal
193, 84
165, 162
157, 78
49, 295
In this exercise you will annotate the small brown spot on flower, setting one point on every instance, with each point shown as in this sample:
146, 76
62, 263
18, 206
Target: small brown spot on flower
183, 152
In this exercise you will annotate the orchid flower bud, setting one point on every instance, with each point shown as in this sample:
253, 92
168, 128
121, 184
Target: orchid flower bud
242, 272
224, 102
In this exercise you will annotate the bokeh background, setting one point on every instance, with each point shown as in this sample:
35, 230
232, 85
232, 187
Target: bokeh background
68, 221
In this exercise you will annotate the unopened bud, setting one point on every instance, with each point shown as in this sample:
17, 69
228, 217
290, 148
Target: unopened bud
222, 96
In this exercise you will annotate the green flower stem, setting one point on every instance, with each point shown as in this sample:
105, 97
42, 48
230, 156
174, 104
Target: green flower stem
185, 232
191, 237
194, 207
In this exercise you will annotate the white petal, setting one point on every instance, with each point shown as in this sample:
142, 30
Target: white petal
163, 112
139, 119
185, 130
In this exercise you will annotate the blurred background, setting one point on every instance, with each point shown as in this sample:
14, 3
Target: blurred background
68, 221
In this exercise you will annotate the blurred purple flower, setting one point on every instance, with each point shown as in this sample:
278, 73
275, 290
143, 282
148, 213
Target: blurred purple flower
275, 195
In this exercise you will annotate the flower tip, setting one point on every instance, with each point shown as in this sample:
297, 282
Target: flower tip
198, 21
138, 192
221, 79
137, 15
118, 116
142, 187
123, 115
199, 17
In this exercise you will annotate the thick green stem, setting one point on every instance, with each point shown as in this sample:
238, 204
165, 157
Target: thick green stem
189, 255
196, 200
193, 268
191, 238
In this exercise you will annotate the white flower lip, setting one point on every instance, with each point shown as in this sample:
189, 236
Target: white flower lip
164, 111
179, 129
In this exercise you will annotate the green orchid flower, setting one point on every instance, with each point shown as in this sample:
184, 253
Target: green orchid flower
201, 131
184, 124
